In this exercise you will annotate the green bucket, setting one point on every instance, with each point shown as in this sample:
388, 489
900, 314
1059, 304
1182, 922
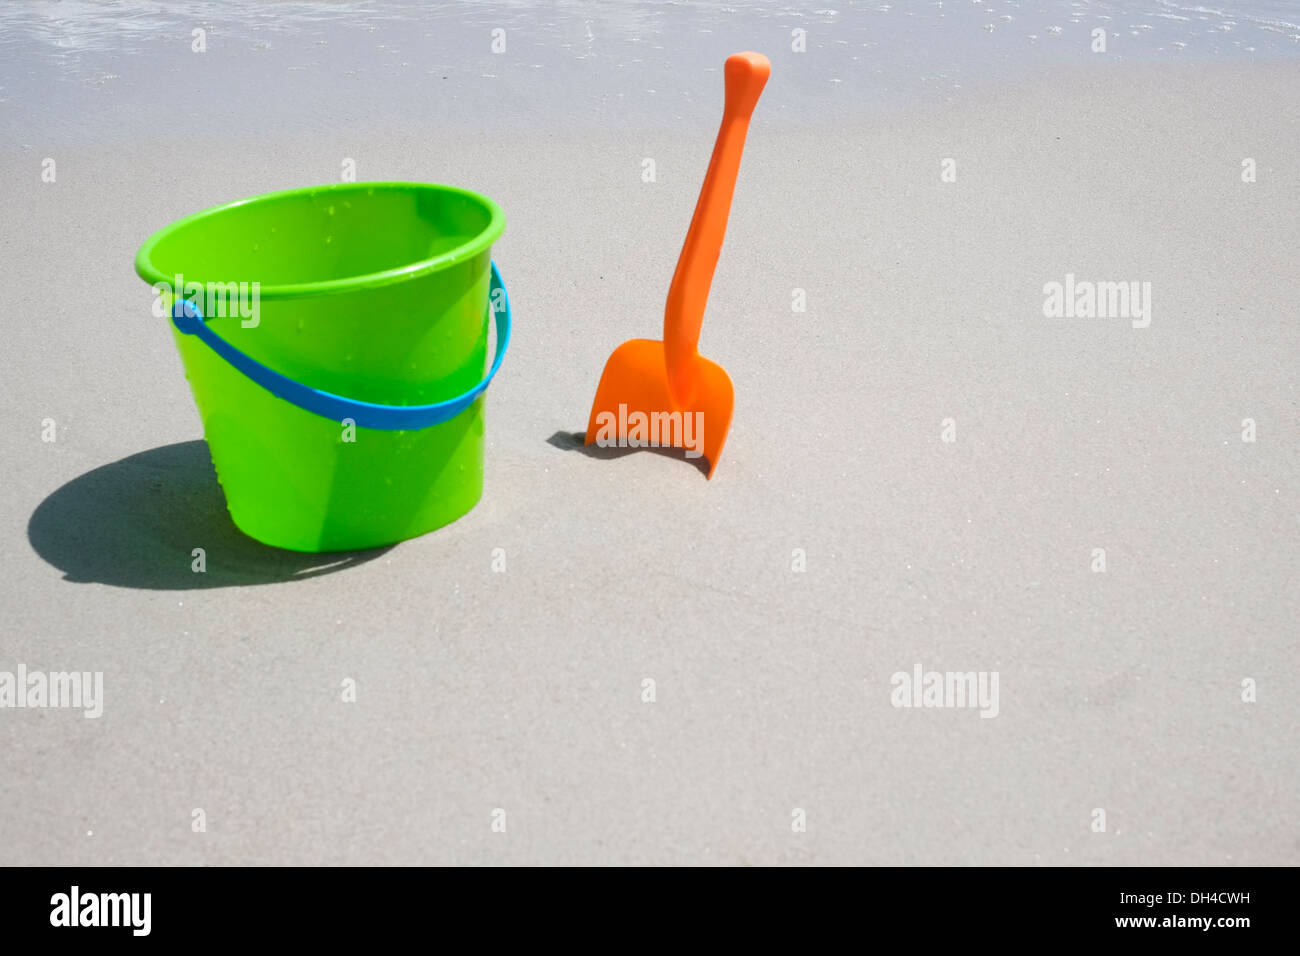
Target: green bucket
335, 340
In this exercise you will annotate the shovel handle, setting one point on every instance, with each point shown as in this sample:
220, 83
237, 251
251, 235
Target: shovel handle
745, 74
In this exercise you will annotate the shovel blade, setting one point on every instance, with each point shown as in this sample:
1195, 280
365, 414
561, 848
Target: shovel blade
634, 406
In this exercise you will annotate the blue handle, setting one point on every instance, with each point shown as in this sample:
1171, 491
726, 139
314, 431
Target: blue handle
187, 318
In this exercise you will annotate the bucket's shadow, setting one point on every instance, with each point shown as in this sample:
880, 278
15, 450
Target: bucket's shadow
136, 523
576, 441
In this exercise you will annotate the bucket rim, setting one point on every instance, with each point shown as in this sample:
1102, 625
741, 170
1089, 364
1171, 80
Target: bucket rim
146, 270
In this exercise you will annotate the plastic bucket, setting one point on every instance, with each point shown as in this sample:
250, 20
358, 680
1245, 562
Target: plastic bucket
335, 340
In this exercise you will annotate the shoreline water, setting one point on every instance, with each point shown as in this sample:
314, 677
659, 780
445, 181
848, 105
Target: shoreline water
129, 68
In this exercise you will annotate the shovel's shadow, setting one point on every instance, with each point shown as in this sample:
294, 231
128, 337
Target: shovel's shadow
576, 441
136, 523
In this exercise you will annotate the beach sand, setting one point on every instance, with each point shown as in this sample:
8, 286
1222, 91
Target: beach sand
523, 690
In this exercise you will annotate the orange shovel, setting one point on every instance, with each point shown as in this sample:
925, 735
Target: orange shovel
666, 393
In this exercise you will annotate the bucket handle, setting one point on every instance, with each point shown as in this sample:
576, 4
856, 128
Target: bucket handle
188, 319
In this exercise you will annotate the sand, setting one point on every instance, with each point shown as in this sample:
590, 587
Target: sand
524, 691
